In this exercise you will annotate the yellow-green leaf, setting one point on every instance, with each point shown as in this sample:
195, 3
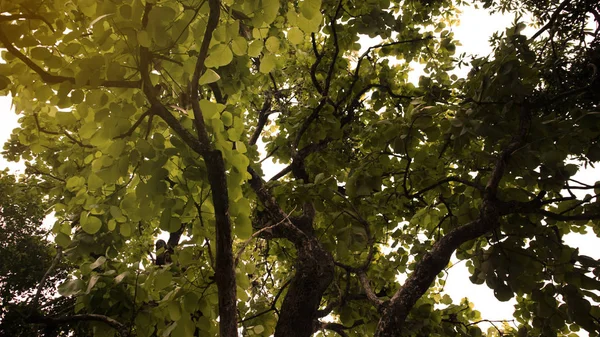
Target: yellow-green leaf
272, 44
267, 64
310, 8
92, 225
239, 46
219, 56
295, 35
255, 48
209, 76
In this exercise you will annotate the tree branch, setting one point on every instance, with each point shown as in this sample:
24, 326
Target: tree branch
551, 21
362, 276
54, 79
263, 117
429, 266
135, 125
13, 17
36, 298
113, 323
213, 21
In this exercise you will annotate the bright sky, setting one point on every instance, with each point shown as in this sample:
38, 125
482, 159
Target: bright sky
475, 29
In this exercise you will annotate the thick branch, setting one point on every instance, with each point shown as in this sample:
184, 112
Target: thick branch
314, 268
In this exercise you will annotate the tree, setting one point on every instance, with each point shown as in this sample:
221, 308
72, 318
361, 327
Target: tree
25, 258
146, 116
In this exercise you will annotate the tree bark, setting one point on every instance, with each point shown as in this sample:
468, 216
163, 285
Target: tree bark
314, 272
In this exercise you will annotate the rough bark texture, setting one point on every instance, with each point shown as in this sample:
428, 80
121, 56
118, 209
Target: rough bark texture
433, 262
314, 267
313, 274
224, 271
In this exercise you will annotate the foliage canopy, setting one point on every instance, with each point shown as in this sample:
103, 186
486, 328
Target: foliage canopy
147, 116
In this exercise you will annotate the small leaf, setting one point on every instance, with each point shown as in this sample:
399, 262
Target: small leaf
93, 279
255, 48
4, 82
243, 227
174, 311
125, 229
258, 329
119, 278
209, 76
99, 261
219, 56
227, 118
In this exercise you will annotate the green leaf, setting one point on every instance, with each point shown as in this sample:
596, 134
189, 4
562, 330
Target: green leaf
220, 55
310, 8
165, 219
111, 225
62, 240
258, 329
255, 48
75, 183
272, 44
210, 109
92, 225
243, 227
4, 82
99, 262
209, 76
174, 311
227, 118
295, 35
94, 181
239, 46
125, 229
267, 63
119, 278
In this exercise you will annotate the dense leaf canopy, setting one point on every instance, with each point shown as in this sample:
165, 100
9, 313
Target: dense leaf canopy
148, 117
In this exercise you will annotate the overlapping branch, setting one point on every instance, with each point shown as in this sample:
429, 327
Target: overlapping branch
224, 270
396, 310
